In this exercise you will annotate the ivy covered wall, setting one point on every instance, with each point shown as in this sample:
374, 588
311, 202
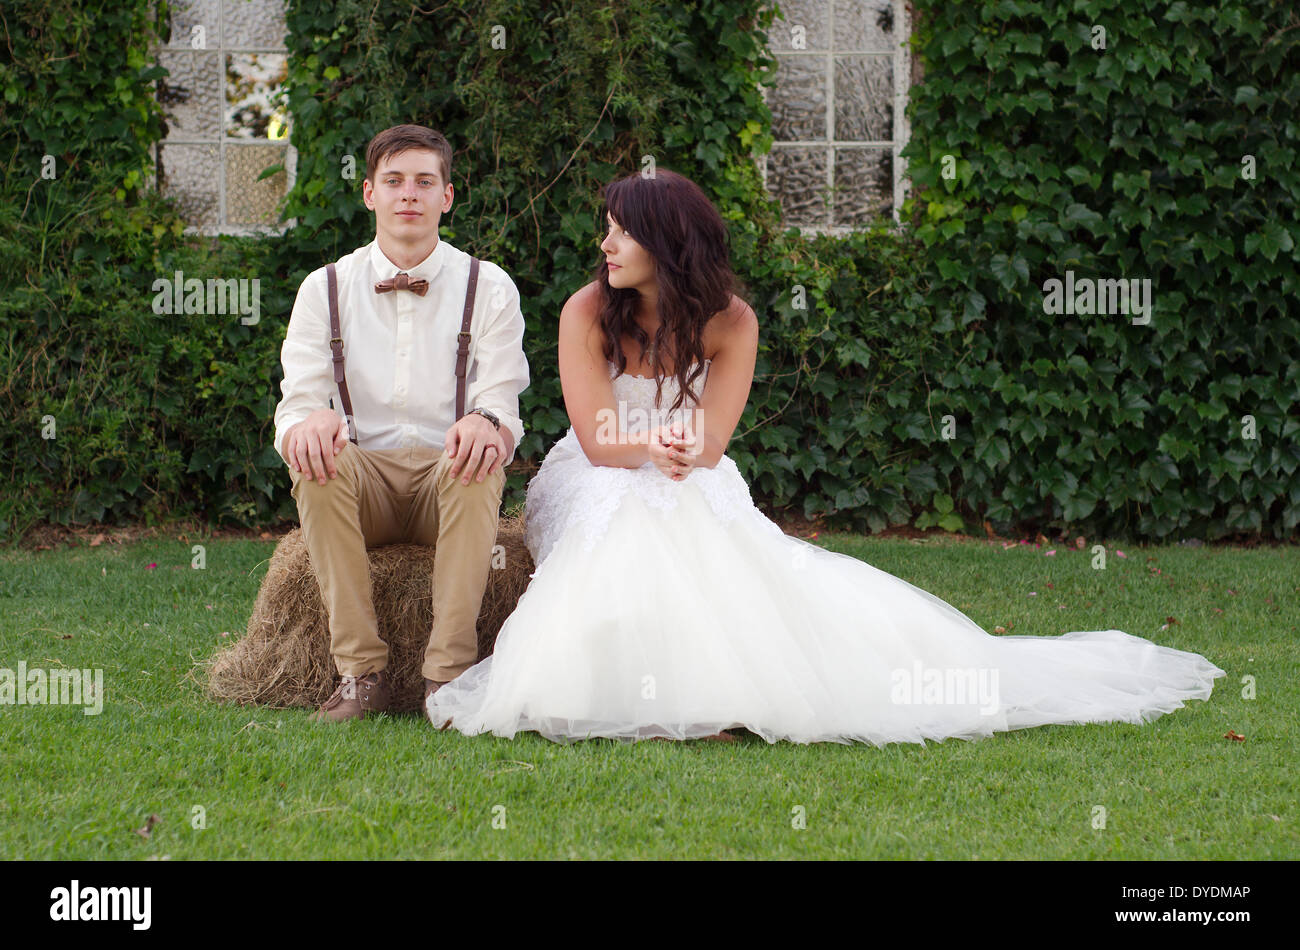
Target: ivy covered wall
917, 377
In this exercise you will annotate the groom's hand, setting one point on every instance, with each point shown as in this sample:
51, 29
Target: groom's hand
477, 447
310, 446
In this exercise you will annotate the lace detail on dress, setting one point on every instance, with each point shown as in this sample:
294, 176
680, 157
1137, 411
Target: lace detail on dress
568, 493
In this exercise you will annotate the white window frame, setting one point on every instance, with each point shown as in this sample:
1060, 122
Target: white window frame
902, 131
225, 141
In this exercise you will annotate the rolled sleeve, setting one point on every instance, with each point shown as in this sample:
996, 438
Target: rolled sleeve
502, 369
305, 356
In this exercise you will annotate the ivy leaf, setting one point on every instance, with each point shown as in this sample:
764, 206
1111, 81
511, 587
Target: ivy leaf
1078, 174
854, 352
1273, 238
921, 479
1080, 215
1021, 267
951, 522
993, 451
1009, 270
1248, 96
1029, 43
950, 268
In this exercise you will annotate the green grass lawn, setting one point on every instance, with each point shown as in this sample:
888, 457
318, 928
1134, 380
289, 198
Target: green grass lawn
273, 785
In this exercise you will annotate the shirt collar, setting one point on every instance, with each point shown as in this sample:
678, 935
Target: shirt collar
427, 269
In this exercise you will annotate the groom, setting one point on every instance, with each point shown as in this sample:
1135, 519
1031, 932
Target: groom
419, 451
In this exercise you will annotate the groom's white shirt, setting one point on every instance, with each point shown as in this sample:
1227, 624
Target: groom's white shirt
399, 349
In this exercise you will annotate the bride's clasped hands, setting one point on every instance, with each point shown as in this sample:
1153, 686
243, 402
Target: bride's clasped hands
674, 450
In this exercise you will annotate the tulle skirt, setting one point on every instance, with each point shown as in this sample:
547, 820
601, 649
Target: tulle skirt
678, 624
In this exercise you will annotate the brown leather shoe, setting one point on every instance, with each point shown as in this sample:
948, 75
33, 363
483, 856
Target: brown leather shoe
431, 687
355, 697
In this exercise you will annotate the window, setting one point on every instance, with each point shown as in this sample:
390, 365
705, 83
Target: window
838, 106
226, 122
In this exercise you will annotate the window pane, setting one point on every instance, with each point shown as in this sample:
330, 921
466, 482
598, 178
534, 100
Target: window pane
249, 201
225, 111
864, 185
190, 95
186, 15
814, 18
864, 98
864, 25
191, 174
253, 82
798, 99
257, 24
797, 177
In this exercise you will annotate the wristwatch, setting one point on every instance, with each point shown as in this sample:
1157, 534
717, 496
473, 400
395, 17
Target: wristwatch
488, 415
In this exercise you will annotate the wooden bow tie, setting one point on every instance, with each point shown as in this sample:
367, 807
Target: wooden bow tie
402, 282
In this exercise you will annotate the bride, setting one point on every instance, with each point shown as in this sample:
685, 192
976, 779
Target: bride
665, 605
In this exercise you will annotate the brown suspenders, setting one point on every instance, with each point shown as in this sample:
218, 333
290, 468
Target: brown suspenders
462, 348
336, 347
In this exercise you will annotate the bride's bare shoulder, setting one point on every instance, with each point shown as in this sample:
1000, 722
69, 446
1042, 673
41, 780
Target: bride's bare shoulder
580, 326
737, 326
584, 305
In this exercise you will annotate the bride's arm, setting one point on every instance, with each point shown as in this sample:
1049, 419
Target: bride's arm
731, 373
588, 392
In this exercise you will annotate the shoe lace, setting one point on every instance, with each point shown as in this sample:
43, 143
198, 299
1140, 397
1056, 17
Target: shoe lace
347, 689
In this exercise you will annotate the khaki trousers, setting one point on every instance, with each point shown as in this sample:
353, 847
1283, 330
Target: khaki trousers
385, 496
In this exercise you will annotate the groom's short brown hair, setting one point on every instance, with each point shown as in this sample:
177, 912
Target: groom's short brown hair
402, 137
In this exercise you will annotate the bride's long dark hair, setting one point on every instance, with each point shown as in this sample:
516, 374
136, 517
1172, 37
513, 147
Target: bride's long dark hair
669, 216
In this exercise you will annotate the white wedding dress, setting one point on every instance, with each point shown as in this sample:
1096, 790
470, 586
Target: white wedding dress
663, 608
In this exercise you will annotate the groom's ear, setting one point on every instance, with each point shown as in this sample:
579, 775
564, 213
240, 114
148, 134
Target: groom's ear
448, 192
367, 194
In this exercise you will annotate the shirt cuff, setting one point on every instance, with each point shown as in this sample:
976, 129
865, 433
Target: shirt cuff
516, 430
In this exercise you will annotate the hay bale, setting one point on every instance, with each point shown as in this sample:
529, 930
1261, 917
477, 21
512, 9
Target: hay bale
284, 658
